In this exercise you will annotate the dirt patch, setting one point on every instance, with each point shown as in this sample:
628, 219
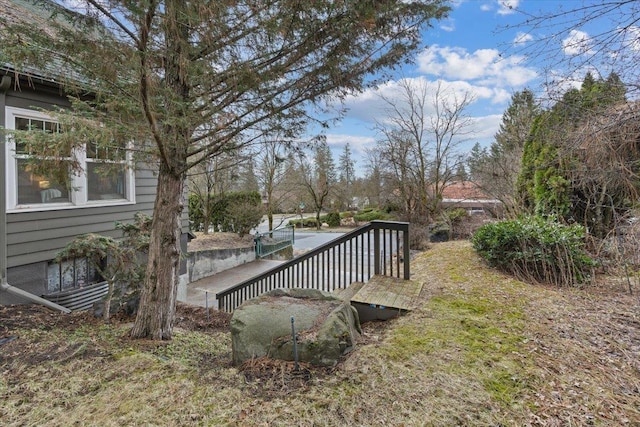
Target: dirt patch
15, 317
36, 319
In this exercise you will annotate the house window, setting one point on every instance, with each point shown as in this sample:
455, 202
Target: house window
107, 177
41, 185
106, 173
71, 274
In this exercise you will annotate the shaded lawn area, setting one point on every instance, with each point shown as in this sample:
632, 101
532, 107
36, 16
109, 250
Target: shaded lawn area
482, 350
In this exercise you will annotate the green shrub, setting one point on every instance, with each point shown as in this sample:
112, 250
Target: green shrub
297, 223
333, 219
456, 215
309, 222
236, 212
536, 249
368, 215
196, 213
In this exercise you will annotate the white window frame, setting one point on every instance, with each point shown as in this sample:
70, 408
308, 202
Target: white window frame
79, 185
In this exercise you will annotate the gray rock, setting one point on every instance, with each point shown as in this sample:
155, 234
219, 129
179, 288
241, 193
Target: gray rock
326, 327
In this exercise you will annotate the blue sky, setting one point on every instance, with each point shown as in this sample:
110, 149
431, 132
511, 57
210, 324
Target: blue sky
483, 50
474, 51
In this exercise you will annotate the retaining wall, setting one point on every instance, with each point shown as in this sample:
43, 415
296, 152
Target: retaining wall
207, 263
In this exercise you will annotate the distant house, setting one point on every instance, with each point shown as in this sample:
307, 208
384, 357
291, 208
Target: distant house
468, 195
42, 212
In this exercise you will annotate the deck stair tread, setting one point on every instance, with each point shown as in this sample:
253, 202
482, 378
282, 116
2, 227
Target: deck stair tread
388, 292
347, 293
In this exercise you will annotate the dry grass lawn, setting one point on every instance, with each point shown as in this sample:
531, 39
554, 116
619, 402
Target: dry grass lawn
482, 350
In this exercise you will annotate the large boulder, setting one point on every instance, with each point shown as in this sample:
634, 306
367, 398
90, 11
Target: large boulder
326, 327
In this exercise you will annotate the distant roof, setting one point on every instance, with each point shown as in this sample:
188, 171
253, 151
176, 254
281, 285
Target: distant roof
464, 190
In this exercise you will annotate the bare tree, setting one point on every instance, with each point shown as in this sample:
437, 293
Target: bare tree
564, 40
420, 136
317, 177
372, 185
215, 176
273, 168
496, 170
605, 172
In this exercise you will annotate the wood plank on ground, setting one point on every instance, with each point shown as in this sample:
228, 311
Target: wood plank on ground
389, 292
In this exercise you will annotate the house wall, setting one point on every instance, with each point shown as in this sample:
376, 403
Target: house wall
33, 238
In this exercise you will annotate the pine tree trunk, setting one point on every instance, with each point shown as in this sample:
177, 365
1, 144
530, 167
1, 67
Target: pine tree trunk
156, 314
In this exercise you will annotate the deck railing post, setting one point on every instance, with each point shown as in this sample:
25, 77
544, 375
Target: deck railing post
258, 241
376, 250
406, 252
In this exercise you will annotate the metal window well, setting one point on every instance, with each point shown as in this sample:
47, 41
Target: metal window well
80, 298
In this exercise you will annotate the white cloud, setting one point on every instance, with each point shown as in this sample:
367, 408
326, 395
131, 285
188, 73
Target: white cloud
483, 65
357, 142
448, 26
487, 126
576, 43
507, 7
369, 107
631, 37
522, 38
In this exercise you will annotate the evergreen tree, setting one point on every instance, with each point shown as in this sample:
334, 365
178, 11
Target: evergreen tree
580, 130
346, 177
248, 178
188, 80
496, 169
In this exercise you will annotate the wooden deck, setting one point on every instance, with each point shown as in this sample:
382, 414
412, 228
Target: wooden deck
389, 292
383, 297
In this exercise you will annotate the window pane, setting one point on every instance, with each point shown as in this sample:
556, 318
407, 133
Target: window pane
51, 127
68, 279
53, 277
81, 272
22, 123
106, 181
36, 185
36, 125
25, 124
115, 152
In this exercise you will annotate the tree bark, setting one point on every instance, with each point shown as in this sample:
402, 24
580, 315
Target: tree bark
156, 315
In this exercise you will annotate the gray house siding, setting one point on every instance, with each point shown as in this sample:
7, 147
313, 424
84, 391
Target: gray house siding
37, 236
33, 238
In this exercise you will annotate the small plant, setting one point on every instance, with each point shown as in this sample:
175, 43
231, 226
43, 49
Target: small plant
117, 261
309, 222
333, 219
536, 249
368, 215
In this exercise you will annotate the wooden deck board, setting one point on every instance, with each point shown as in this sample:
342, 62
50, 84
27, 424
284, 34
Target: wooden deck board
389, 293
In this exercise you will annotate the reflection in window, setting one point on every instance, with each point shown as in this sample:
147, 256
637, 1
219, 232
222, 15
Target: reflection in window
39, 183
38, 186
106, 181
